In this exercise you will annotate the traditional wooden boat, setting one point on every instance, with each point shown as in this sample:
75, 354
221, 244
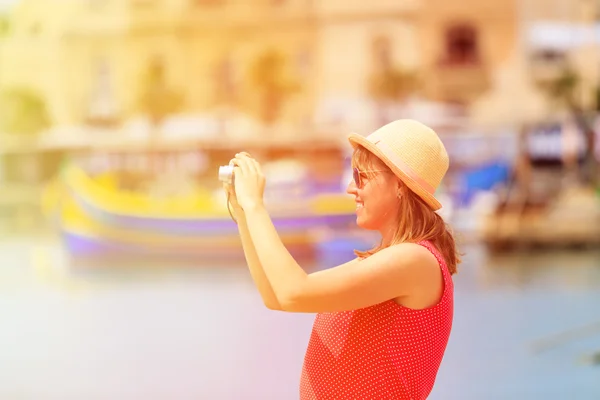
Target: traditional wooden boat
199, 214
96, 219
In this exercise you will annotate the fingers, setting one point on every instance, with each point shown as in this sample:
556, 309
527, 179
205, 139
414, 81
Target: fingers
257, 166
239, 156
246, 164
241, 164
227, 187
251, 164
232, 161
239, 167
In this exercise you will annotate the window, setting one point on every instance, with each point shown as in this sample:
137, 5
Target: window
382, 53
102, 103
461, 45
303, 62
226, 89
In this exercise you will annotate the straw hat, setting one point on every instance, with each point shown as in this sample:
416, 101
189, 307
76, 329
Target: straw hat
413, 151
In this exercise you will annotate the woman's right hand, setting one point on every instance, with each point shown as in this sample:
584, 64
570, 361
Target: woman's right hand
230, 191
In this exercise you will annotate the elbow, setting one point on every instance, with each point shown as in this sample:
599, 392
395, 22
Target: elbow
280, 302
283, 304
273, 305
291, 303
288, 299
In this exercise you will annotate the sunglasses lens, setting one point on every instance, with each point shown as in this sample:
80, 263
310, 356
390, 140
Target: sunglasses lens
356, 177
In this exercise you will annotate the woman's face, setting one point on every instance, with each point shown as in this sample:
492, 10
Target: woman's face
375, 189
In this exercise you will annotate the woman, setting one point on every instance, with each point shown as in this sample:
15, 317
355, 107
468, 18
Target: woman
383, 319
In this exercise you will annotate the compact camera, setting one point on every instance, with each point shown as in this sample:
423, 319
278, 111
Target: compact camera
226, 174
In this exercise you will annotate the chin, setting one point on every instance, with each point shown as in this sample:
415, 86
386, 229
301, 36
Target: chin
365, 223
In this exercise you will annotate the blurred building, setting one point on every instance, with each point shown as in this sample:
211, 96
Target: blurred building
103, 61
448, 49
562, 35
555, 51
93, 59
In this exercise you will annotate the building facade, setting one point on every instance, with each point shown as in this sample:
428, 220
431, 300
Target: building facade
89, 59
274, 59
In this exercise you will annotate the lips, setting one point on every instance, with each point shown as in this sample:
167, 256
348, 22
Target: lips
359, 205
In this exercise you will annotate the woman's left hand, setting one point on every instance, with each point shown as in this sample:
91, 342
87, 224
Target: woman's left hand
249, 181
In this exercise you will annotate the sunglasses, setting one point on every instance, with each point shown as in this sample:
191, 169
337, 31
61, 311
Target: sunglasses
357, 175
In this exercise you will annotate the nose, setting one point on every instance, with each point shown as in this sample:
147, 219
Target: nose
351, 188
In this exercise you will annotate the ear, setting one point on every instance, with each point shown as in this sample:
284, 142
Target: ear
398, 188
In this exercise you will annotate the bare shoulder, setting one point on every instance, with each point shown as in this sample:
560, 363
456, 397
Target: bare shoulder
413, 271
413, 263
409, 254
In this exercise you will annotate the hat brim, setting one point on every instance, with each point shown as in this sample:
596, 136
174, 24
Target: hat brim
358, 140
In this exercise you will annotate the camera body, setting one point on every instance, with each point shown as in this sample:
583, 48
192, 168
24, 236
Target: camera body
226, 174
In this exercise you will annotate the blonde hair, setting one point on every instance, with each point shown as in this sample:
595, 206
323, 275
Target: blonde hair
416, 220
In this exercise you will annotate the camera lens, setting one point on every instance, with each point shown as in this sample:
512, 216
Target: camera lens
226, 173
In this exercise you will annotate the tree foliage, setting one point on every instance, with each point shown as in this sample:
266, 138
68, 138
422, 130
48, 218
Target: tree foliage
23, 111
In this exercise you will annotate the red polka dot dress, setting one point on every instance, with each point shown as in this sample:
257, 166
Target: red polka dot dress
385, 351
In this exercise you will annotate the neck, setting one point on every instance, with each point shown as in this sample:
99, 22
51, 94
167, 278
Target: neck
387, 234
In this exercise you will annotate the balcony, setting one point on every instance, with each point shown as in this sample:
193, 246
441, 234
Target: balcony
461, 82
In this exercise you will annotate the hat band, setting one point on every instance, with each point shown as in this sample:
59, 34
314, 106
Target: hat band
393, 157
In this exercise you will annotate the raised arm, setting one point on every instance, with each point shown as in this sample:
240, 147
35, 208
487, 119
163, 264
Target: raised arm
390, 273
396, 271
254, 265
